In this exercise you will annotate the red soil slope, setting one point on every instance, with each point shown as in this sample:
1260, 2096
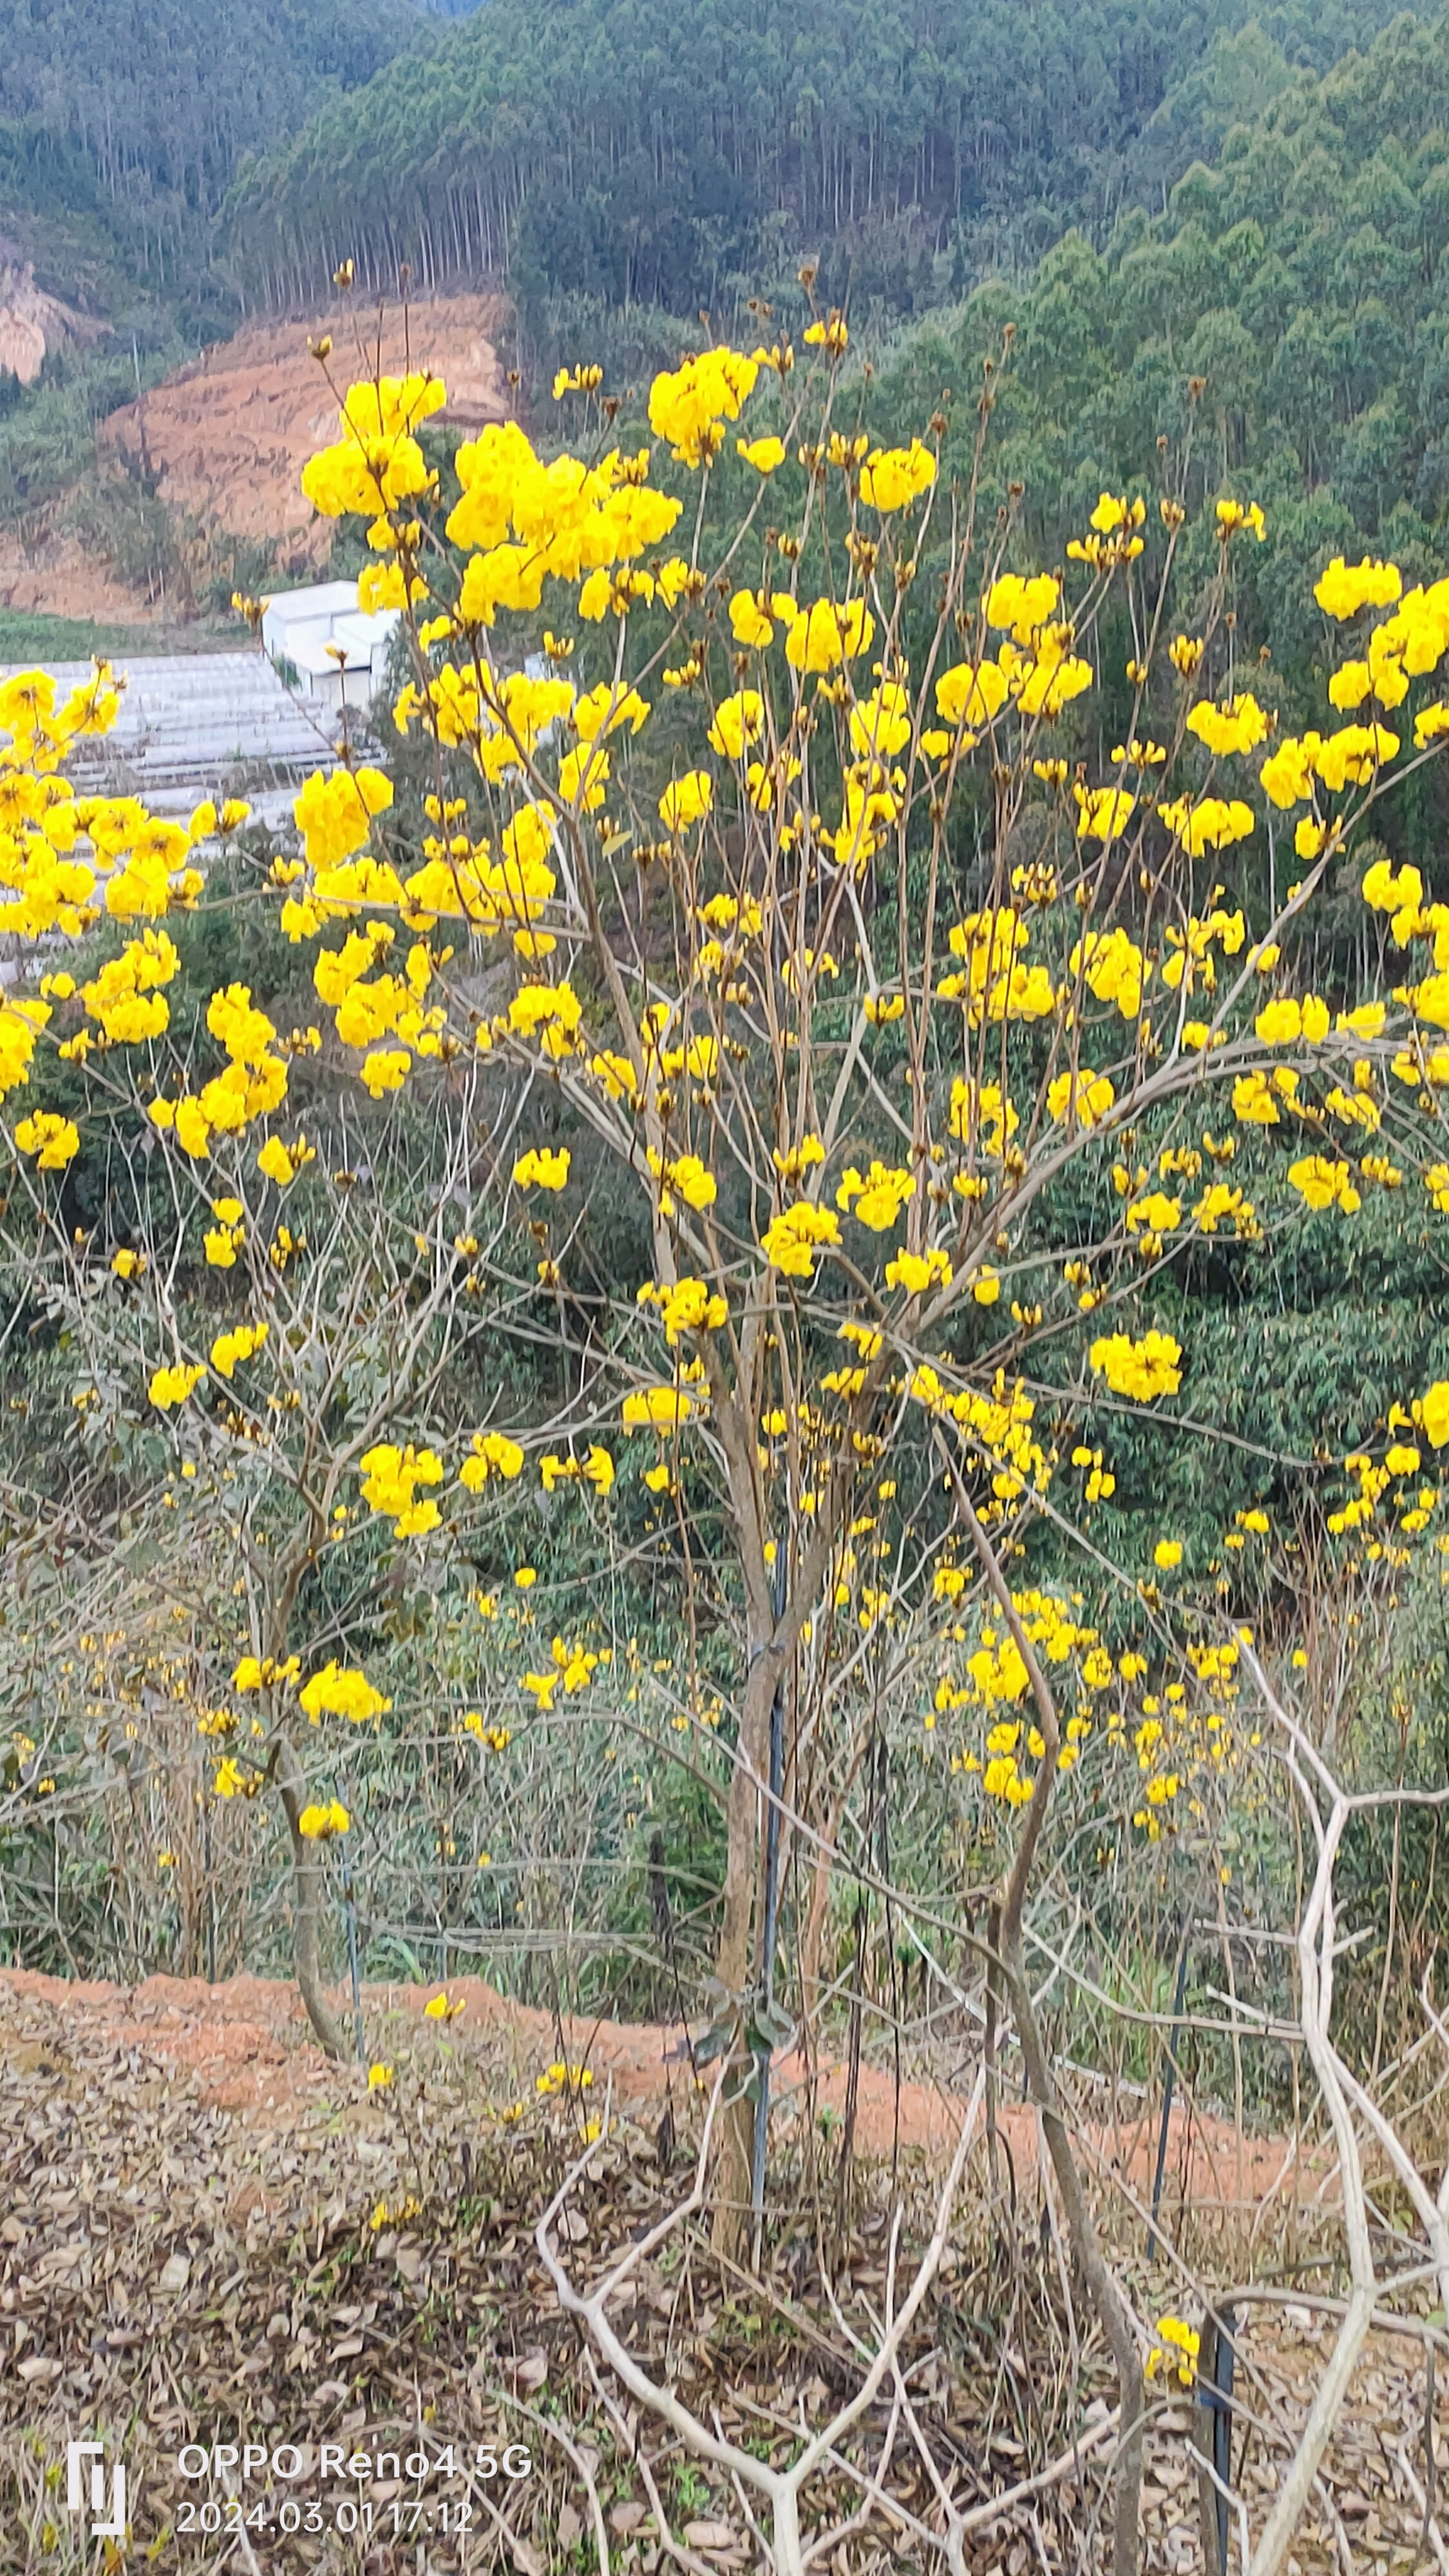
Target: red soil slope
228, 436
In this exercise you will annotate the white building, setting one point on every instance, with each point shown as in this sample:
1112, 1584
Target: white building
338, 654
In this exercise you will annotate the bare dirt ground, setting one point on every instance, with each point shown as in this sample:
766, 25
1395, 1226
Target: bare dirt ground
47, 571
250, 2049
208, 2232
228, 436
226, 439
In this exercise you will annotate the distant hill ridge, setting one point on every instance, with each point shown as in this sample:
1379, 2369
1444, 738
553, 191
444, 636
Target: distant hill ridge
134, 113
665, 151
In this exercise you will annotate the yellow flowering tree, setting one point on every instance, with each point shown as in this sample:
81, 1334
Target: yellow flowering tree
836, 932
771, 843
249, 1325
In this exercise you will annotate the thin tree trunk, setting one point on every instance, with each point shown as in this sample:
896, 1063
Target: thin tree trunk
1113, 2312
306, 1900
732, 1966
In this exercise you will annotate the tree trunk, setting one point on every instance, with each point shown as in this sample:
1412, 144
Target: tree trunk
306, 1900
1113, 2313
732, 2174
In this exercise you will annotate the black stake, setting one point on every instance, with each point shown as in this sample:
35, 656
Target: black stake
1168, 2083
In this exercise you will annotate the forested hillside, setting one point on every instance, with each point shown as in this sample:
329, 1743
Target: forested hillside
120, 127
139, 108
1300, 285
674, 155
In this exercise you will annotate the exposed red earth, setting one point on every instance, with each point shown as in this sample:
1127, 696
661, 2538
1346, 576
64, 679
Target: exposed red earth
249, 2047
226, 438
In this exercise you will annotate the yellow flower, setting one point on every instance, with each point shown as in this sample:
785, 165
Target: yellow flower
281, 1163
319, 1824
763, 453
492, 1451
820, 639
334, 811
1144, 1369
342, 1694
695, 1183
688, 1307
1232, 515
1211, 823
1237, 727
971, 693
832, 335
241, 1343
525, 1576
748, 620
1177, 2345
379, 2077
1253, 1101
443, 2008
173, 1385
1432, 1414
918, 1271
686, 799
1287, 776
1324, 1183
386, 1069
656, 1408
690, 405
1085, 1096
738, 722
1167, 1554
390, 1478
1103, 812
893, 477
793, 1237
54, 1141
542, 1169
877, 1199
1344, 589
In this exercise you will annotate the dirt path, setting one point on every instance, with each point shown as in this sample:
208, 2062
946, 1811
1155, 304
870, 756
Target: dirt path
207, 2227
249, 2047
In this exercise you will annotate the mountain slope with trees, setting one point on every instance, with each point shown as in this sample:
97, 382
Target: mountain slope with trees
643, 155
1286, 318
156, 102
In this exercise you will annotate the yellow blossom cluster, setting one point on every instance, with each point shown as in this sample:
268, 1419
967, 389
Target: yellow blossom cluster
391, 1477
571, 1669
335, 1692
1143, 1369
492, 1453
318, 1824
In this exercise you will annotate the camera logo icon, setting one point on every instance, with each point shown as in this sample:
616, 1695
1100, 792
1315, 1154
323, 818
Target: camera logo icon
77, 2453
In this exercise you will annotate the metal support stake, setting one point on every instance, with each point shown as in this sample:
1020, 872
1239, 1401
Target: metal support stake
1168, 2083
1215, 2432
